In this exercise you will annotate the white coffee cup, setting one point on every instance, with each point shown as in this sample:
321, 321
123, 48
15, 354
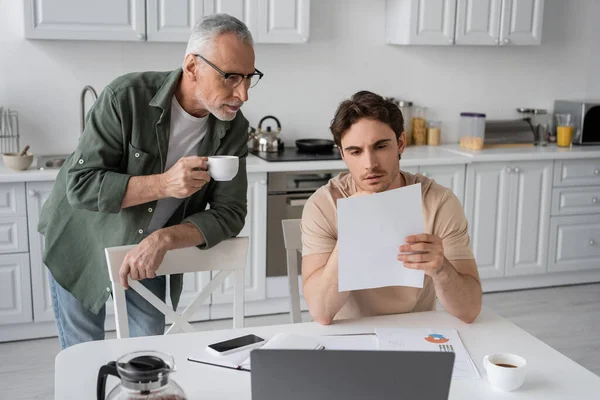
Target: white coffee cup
505, 378
223, 168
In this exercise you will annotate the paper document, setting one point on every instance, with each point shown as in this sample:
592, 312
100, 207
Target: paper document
370, 231
444, 340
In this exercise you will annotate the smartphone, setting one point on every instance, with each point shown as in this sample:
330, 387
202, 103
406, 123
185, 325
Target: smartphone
236, 344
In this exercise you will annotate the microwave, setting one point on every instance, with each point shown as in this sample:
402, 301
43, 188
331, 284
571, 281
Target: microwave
586, 119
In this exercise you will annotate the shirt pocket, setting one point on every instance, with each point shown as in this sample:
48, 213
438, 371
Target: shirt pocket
139, 162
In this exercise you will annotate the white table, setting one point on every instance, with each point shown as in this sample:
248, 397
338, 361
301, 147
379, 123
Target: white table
551, 374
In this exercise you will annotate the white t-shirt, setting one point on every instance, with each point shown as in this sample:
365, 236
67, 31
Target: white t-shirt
186, 134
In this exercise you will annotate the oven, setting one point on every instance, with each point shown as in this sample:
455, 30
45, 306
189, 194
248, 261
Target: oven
287, 192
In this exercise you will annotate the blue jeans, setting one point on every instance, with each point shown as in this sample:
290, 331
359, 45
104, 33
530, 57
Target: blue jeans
77, 324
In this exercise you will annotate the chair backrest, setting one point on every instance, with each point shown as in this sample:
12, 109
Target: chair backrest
228, 257
292, 238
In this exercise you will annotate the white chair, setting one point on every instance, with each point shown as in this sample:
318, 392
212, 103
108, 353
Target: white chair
292, 237
228, 257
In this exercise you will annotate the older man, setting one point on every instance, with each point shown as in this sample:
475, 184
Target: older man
138, 176
369, 133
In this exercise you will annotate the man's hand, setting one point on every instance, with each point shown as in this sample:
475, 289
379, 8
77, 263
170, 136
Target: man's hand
185, 178
429, 253
143, 260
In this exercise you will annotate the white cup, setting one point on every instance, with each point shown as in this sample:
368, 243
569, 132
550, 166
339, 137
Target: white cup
223, 168
505, 378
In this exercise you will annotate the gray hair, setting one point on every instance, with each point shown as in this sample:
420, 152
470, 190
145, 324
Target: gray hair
209, 27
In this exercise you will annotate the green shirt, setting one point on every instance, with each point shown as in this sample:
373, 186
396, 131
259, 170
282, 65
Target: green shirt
127, 134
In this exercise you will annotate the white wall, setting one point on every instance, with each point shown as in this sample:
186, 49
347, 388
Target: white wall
304, 83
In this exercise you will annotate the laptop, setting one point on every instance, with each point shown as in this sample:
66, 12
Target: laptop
350, 375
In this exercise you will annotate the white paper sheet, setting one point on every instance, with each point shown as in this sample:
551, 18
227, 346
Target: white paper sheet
370, 231
430, 340
349, 342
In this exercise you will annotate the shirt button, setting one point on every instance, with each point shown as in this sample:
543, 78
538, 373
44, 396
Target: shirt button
81, 161
141, 231
137, 155
150, 209
108, 289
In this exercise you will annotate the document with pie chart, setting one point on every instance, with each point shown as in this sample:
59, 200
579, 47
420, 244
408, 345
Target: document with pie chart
444, 340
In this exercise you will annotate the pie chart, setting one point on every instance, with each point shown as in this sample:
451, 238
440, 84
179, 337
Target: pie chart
437, 338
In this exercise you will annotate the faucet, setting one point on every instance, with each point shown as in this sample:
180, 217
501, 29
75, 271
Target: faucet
83, 93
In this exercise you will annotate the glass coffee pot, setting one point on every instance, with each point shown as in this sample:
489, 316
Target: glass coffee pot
144, 375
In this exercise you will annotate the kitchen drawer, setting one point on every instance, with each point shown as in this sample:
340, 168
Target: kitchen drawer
577, 200
574, 243
577, 172
13, 235
12, 200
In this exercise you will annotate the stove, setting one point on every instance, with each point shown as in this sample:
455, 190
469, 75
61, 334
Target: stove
292, 154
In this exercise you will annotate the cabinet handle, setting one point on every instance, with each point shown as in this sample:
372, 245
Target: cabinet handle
516, 169
597, 171
594, 200
31, 193
592, 242
508, 169
141, 36
497, 41
506, 41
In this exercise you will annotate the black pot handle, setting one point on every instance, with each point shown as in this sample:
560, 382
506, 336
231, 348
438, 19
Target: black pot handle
105, 370
269, 117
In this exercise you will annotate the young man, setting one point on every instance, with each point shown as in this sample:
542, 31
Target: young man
369, 132
138, 176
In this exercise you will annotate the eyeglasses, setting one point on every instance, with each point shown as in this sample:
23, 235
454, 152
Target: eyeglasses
233, 79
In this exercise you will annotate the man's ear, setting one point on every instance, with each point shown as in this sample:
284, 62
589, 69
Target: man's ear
401, 144
190, 66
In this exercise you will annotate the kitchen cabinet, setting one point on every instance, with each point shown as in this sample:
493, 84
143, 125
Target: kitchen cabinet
420, 22
464, 22
255, 229
269, 21
450, 176
37, 194
123, 20
574, 243
508, 209
282, 21
15, 289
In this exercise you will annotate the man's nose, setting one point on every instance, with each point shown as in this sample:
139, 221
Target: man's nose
241, 91
370, 160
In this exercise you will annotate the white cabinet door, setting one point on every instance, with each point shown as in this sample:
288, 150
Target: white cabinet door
450, 176
574, 243
478, 22
15, 290
521, 22
85, 19
172, 20
283, 21
37, 194
420, 21
529, 218
244, 10
486, 204
255, 229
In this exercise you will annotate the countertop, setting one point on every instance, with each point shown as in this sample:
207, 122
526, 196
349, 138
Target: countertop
536, 153
412, 157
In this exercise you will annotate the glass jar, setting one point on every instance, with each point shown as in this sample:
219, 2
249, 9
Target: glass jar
406, 109
433, 133
472, 130
419, 126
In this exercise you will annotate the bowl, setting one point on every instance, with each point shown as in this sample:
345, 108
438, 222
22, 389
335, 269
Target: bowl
16, 161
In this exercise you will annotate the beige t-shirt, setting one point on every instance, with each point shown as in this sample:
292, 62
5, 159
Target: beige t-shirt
443, 216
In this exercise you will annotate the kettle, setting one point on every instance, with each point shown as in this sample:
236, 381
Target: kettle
266, 140
144, 375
